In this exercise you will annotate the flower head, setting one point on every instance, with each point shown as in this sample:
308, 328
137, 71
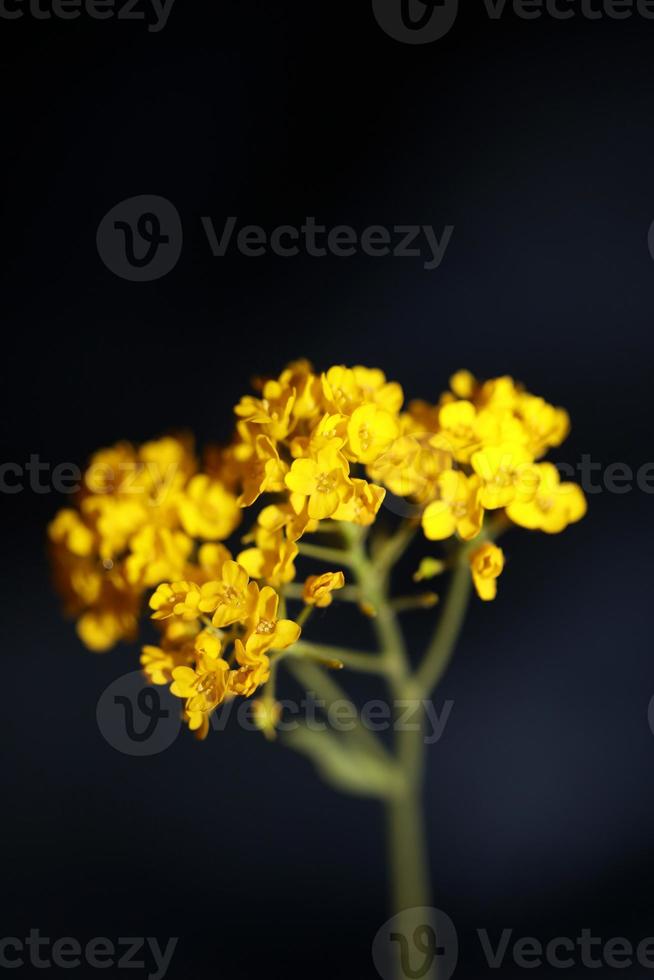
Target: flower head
486, 563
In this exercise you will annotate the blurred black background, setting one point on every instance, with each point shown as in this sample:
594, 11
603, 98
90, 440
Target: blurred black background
535, 140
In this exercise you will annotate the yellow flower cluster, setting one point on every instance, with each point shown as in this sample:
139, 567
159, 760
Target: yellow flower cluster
315, 448
199, 622
134, 526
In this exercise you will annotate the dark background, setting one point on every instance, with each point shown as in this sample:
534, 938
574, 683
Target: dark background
535, 140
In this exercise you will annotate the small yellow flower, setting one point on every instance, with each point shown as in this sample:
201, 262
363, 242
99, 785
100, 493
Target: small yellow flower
69, 528
116, 520
231, 598
203, 688
555, 505
273, 412
157, 554
265, 630
318, 588
347, 388
253, 673
272, 559
211, 558
324, 480
207, 643
463, 384
113, 615
371, 430
263, 472
208, 510
361, 505
507, 473
458, 508
486, 564
458, 435
158, 663
546, 426
176, 599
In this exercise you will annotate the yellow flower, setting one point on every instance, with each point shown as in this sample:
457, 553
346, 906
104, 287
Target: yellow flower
318, 588
361, 505
328, 429
263, 472
211, 558
463, 384
68, 528
265, 630
324, 480
370, 431
111, 469
203, 688
555, 505
116, 520
157, 554
101, 629
458, 435
208, 510
158, 663
266, 715
486, 564
113, 616
347, 388
208, 643
410, 467
273, 411
299, 375
176, 599
457, 509
231, 598
545, 425
499, 394
272, 559
507, 473
165, 466
254, 670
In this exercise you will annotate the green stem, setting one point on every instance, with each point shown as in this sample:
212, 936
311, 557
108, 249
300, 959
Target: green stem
407, 853
332, 556
440, 650
314, 679
367, 663
442, 645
